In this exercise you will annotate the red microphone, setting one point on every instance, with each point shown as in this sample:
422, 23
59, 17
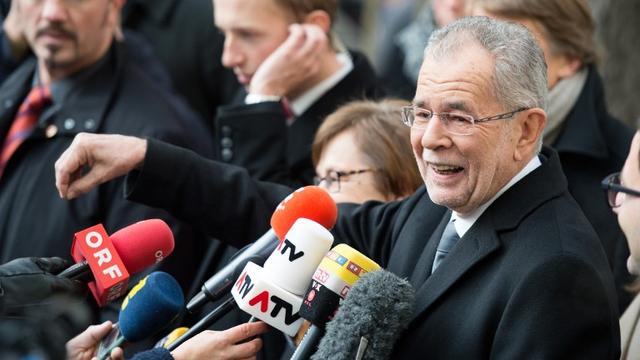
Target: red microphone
309, 202
105, 262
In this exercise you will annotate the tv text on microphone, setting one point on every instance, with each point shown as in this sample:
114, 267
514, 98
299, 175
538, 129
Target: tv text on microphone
273, 293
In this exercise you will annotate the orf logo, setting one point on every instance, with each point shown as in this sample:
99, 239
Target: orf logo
95, 240
111, 276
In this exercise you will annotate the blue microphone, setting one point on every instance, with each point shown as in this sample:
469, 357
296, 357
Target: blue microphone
150, 305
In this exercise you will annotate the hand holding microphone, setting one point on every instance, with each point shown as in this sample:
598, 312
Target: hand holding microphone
151, 305
105, 265
26, 281
85, 345
229, 344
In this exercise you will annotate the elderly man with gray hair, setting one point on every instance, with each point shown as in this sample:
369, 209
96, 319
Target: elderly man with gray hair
503, 261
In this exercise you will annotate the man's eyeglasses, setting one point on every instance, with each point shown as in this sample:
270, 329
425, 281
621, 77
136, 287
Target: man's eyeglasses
457, 124
64, 2
616, 192
331, 182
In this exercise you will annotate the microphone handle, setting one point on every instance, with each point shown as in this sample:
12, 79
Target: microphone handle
309, 343
204, 323
78, 271
219, 284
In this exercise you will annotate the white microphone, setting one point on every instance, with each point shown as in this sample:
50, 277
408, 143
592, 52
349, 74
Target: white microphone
273, 294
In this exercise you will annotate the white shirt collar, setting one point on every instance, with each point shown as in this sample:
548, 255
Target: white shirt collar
301, 103
463, 224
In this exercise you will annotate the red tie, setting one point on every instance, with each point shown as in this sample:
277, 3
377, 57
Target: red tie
288, 111
39, 97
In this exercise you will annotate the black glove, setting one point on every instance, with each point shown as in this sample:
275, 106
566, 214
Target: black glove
30, 280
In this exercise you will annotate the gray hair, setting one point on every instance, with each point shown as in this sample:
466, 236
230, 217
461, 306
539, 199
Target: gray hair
520, 74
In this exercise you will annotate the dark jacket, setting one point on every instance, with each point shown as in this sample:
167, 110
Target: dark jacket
116, 98
528, 280
257, 137
591, 146
184, 38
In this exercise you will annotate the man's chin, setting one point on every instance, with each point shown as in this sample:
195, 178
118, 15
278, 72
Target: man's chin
58, 60
443, 199
633, 266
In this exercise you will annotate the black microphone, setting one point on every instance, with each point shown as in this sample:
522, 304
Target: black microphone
219, 284
376, 311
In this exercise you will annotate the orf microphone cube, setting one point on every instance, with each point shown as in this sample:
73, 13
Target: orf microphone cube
111, 277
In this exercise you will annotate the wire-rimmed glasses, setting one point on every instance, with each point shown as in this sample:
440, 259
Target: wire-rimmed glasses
455, 123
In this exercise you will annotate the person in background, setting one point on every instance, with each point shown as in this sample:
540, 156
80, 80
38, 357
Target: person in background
185, 41
400, 72
152, 31
591, 143
361, 153
623, 194
294, 73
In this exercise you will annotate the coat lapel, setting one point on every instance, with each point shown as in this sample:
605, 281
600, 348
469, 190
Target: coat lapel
423, 267
478, 243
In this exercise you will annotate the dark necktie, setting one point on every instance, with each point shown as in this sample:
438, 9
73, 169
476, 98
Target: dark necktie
24, 123
448, 240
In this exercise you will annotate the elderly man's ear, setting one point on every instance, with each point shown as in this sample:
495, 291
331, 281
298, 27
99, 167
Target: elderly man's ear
528, 130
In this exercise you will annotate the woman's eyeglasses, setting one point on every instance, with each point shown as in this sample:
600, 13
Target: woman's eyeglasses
331, 182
